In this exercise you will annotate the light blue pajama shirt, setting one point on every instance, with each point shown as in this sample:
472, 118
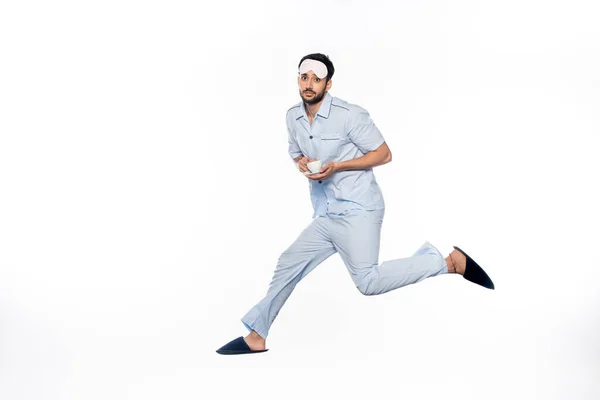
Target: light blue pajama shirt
348, 213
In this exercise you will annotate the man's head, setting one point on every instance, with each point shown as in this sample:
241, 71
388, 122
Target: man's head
314, 77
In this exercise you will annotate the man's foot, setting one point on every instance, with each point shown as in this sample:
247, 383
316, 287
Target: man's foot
238, 346
255, 341
471, 270
456, 262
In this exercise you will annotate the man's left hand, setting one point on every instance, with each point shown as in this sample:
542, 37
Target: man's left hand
326, 171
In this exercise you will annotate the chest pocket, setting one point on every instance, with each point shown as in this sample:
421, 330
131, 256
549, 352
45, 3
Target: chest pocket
330, 144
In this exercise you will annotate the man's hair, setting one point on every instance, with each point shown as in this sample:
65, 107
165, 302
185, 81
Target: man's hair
324, 59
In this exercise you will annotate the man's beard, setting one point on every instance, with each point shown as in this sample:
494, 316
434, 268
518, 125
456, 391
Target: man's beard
316, 98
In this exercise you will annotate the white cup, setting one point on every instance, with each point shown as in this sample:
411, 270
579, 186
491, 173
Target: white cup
314, 166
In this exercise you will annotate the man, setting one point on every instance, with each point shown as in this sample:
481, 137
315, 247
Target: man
348, 206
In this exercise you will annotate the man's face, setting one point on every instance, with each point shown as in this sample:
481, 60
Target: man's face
312, 89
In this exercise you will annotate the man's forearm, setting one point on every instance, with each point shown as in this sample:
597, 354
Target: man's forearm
298, 158
369, 160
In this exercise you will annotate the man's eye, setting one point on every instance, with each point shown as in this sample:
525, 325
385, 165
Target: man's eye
317, 80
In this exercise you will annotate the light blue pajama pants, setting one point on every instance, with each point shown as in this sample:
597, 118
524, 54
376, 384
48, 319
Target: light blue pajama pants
355, 235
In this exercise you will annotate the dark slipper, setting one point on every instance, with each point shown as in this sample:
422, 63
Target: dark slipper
476, 274
238, 346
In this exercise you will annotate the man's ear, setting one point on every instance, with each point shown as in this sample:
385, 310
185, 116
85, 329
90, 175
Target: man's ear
328, 85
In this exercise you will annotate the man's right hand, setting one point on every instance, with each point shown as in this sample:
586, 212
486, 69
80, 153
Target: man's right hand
302, 164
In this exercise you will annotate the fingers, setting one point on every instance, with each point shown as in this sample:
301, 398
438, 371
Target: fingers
324, 173
302, 164
327, 169
303, 167
320, 176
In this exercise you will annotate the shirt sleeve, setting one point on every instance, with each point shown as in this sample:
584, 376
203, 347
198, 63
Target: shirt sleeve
293, 147
363, 132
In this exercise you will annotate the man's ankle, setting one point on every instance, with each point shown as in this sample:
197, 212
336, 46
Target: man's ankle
255, 336
450, 265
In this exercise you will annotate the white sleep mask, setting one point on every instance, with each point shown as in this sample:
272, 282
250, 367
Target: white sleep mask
317, 67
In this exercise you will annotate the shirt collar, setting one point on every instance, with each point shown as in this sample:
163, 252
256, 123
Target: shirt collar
325, 106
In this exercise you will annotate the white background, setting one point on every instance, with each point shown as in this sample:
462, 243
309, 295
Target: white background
146, 194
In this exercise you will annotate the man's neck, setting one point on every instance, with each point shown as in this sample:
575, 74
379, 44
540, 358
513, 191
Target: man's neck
312, 109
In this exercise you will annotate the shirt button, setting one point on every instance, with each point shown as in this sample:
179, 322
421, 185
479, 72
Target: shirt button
310, 137
320, 181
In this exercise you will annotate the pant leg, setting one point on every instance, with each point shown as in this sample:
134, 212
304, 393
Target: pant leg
356, 237
311, 248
